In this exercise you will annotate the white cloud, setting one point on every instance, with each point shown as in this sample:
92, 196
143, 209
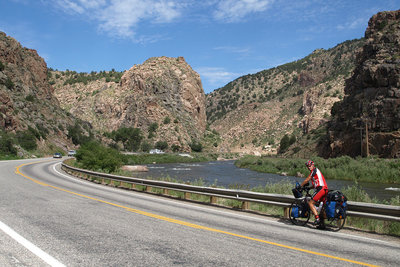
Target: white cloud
354, 24
216, 76
236, 10
121, 17
233, 49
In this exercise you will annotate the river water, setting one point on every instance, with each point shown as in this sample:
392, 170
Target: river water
226, 174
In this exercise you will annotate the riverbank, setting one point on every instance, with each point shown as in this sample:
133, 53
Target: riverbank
373, 170
140, 159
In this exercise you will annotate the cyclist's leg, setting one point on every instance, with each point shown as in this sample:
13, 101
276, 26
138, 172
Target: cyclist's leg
316, 197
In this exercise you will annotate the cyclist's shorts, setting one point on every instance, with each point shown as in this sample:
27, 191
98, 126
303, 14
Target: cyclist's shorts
320, 193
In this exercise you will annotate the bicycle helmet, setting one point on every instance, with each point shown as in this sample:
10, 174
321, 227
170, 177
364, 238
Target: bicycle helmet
309, 163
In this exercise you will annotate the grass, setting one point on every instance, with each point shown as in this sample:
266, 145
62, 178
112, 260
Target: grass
374, 170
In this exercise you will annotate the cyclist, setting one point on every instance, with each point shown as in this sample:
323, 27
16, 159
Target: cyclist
320, 186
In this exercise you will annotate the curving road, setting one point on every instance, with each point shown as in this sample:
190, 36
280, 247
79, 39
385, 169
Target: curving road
50, 218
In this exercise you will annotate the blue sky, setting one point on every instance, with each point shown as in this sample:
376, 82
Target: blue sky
221, 40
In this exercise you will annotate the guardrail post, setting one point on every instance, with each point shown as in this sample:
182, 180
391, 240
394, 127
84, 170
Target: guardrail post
148, 188
286, 212
187, 195
213, 200
165, 191
245, 205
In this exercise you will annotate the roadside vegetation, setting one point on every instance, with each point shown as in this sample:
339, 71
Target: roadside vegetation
355, 193
372, 169
97, 157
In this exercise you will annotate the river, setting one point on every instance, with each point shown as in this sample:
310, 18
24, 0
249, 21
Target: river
226, 174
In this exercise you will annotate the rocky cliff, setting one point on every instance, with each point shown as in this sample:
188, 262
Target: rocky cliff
372, 96
162, 90
26, 97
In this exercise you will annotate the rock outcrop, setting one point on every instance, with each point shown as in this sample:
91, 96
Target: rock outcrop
164, 87
26, 97
162, 90
372, 96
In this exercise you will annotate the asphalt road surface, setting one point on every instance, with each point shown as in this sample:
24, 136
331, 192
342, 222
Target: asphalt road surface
50, 218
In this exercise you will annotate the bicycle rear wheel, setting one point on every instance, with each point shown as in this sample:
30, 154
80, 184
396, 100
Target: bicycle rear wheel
301, 217
337, 223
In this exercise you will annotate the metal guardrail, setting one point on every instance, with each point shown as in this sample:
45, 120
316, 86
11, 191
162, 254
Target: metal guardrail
356, 209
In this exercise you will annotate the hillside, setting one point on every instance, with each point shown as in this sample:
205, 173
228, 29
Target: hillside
29, 112
162, 91
256, 111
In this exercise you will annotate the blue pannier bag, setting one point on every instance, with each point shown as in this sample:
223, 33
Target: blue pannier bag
330, 209
295, 212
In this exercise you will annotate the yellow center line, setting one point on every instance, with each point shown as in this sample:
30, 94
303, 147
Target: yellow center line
192, 225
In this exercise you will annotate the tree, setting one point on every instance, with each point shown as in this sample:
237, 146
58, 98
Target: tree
146, 147
130, 137
152, 128
162, 145
76, 134
284, 144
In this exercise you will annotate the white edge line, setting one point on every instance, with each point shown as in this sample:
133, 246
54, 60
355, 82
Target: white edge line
27, 244
242, 215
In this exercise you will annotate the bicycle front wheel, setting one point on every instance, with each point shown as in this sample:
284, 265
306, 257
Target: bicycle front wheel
298, 215
337, 223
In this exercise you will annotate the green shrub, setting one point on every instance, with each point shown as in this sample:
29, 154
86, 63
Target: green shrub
96, 157
7, 145
152, 129
167, 120
27, 140
30, 98
196, 146
9, 84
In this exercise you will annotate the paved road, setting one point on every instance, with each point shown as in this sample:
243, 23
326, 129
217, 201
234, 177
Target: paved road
50, 218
